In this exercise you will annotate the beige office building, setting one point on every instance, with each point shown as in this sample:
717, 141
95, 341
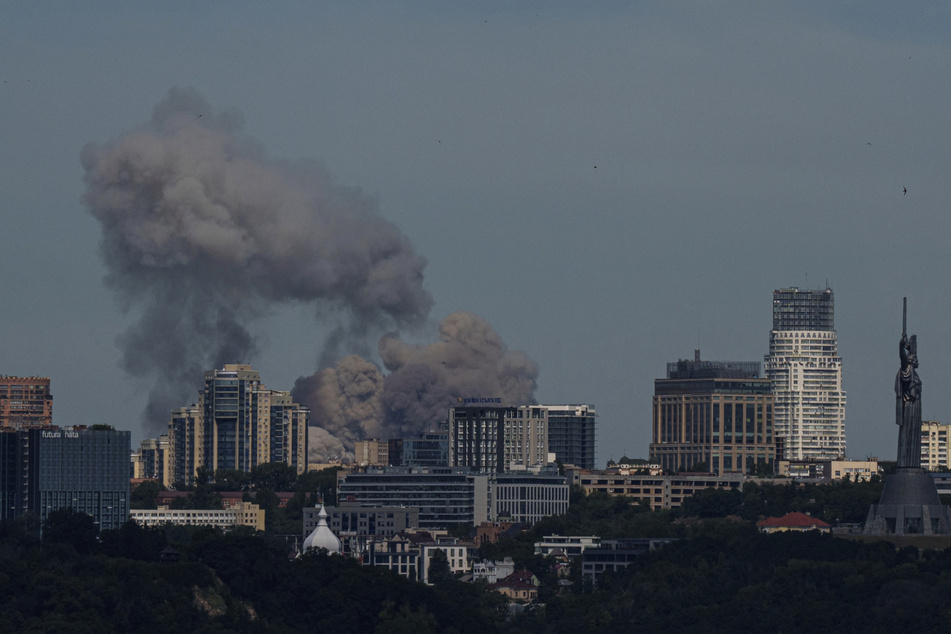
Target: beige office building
712, 416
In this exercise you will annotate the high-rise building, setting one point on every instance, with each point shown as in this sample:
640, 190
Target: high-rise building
86, 470
153, 460
237, 423
25, 402
806, 372
186, 442
934, 445
712, 415
492, 439
571, 434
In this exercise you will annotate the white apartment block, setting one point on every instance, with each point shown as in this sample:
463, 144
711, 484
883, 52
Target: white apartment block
806, 372
934, 445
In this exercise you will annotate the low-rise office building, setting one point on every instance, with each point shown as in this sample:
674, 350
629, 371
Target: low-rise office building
616, 554
661, 491
448, 496
572, 546
351, 518
242, 514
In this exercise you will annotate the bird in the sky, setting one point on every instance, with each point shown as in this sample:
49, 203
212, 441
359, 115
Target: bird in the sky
904, 190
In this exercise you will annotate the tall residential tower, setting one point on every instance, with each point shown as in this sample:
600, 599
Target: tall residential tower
806, 372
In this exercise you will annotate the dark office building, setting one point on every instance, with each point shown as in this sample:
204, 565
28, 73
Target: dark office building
83, 469
571, 434
429, 450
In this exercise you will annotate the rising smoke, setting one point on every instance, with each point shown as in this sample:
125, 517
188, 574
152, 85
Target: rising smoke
203, 233
354, 401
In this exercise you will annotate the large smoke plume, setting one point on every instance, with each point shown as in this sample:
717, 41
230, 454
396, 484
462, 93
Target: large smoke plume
354, 401
202, 232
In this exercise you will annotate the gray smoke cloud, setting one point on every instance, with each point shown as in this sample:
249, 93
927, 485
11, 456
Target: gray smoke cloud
345, 402
355, 401
202, 232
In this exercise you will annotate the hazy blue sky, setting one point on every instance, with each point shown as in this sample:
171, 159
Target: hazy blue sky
610, 184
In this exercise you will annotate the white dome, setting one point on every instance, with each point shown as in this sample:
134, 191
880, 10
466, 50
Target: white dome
322, 537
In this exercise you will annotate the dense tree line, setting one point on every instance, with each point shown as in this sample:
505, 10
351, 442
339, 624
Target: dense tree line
721, 576
241, 581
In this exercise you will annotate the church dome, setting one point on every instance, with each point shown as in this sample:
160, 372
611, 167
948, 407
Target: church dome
322, 536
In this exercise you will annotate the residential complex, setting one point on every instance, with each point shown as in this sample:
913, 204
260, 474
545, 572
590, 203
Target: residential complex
712, 416
806, 372
934, 445
493, 439
238, 423
25, 402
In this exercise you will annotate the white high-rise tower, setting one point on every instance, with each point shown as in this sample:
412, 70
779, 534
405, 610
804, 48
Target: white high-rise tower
806, 371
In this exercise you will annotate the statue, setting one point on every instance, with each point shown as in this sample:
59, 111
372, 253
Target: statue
908, 399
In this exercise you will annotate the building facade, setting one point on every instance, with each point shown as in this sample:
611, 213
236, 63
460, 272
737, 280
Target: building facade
447, 496
238, 423
350, 518
934, 445
429, 450
714, 416
527, 497
46, 469
371, 452
806, 373
616, 554
661, 492
25, 402
242, 514
491, 439
571, 434
444, 496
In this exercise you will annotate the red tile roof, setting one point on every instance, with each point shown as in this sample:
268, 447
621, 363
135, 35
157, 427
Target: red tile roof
794, 520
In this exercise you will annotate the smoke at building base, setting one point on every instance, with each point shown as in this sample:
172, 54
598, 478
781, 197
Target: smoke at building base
354, 400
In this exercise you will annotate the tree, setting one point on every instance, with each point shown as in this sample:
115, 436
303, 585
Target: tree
439, 572
231, 480
274, 475
68, 526
145, 494
321, 483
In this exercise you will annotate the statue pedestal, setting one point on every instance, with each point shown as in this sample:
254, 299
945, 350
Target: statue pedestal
909, 506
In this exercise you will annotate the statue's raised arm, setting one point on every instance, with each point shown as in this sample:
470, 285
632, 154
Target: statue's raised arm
908, 399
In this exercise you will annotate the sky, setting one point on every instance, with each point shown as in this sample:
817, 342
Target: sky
610, 185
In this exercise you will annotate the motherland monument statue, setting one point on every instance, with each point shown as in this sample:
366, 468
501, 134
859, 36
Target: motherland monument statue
909, 502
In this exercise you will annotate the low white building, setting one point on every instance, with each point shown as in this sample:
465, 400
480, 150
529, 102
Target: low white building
570, 546
493, 571
242, 514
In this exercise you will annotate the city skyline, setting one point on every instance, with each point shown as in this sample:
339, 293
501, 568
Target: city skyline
609, 187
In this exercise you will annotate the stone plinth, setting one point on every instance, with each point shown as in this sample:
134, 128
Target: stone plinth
909, 506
